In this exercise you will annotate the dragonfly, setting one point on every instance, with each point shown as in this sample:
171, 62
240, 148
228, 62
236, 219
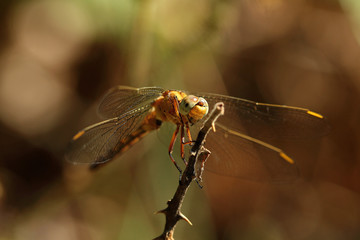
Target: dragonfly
241, 146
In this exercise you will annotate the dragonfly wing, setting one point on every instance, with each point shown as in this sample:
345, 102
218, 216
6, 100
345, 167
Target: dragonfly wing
100, 142
241, 145
268, 122
237, 155
121, 99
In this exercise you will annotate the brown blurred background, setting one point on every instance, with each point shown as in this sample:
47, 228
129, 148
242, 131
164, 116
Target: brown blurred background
58, 57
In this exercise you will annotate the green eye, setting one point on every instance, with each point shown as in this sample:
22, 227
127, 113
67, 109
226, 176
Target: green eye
187, 104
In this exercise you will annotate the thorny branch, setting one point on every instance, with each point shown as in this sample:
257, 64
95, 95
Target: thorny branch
172, 212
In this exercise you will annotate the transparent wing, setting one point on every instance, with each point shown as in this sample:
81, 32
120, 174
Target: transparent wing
268, 122
234, 155
102, 141
243, 147
121, 98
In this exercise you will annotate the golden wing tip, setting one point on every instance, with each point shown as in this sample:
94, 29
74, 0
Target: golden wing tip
78, 135
286, 158
318, 115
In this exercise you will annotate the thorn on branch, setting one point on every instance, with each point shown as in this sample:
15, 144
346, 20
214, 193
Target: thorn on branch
183, 217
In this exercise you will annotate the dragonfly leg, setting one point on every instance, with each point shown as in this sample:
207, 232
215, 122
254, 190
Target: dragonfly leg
190, 141
198, 183
175, 103
171, 148
182, 138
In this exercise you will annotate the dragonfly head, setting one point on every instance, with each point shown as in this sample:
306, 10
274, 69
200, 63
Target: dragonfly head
195, 108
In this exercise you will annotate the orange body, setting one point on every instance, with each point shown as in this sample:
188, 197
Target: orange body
165, 109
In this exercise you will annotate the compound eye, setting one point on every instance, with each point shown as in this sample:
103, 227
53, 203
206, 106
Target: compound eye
204, 105
199, 110
187, 104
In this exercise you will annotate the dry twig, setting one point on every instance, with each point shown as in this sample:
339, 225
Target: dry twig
172, 212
